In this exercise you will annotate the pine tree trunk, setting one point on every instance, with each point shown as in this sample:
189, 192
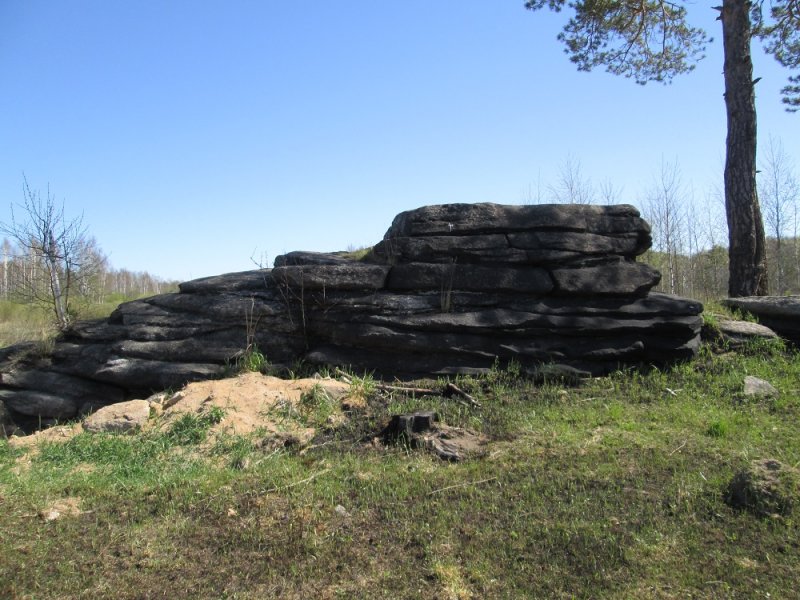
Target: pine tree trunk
747, 246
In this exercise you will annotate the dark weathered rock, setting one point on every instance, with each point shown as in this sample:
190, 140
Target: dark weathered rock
243, 281
139, 374
452, 289
490, 248
779, 313
623, 244
616, 278
423, 276
472, 219
81, 389
346, 276
7, 425
32, 403
311, 258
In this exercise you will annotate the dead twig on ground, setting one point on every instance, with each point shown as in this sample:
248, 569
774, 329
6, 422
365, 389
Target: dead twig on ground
460, 485
296, 483
450, 390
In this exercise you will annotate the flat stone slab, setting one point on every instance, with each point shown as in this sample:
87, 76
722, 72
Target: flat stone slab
779, 313
33, 403
301, 257
787, 307
619, 278
486, 217
734, 334
348, 276
229, 282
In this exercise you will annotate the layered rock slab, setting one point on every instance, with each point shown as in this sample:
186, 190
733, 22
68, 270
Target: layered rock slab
779, 313
450, 289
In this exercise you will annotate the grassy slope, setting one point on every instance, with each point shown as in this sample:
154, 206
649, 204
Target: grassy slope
611, 490
20, 322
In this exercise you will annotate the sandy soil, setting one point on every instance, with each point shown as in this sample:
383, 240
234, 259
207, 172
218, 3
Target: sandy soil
251, 402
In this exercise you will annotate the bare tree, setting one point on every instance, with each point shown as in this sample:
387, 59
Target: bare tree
63, 257
572, 187
778, 189
529, 196
609, 193
664, 209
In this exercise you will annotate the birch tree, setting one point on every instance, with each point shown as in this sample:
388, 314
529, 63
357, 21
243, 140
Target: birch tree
63, 256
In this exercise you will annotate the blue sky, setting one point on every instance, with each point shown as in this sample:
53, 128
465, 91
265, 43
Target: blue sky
194, 135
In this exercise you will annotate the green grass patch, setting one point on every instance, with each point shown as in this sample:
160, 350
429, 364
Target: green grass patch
612, 489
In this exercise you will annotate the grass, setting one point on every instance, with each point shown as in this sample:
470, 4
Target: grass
250, 360
21, 322
614, 489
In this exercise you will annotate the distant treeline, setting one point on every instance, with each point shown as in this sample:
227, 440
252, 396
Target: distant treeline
703, 275
23, 272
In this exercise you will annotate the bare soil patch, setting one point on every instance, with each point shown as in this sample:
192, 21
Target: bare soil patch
251, 402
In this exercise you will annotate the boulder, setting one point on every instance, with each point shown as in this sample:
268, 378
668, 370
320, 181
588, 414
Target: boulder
123, 417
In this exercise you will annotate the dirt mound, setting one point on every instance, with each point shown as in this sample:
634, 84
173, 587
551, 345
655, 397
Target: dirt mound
253, 402
242, 405
766, 487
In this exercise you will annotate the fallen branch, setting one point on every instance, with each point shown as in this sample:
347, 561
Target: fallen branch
452, 389
449, 390
384, 387
296, 483
678, 449
460, 485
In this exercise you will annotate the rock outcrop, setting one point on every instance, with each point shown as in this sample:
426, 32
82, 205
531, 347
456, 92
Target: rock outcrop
450, 289
779, 313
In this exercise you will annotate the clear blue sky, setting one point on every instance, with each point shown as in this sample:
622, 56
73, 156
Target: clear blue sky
196, 134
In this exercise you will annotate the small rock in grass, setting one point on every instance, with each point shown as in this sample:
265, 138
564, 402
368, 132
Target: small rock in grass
753, 386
